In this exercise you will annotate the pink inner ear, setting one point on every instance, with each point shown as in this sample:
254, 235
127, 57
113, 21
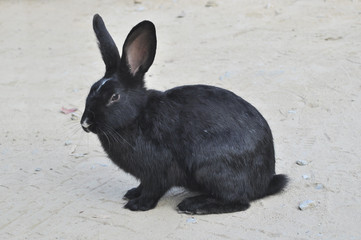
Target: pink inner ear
137, 53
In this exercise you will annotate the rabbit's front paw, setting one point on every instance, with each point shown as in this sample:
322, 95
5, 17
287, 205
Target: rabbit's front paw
133, 193
141, 204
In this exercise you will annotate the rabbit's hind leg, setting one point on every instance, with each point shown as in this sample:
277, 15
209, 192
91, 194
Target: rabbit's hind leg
204, 204
223, 189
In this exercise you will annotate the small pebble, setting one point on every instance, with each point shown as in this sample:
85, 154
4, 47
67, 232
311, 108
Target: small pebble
269, 5
306, 205
191, 220
305, 177
181, 15
100, 164
78, 155
140, 9
73, 149
301, 162
67, 142
37, 169
211, 4
319, 186
74, 116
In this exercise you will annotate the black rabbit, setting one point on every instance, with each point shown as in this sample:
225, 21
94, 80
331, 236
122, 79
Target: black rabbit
203, 138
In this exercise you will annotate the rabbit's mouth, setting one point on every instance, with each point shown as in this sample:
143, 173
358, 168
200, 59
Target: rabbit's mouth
87, 126
86, 129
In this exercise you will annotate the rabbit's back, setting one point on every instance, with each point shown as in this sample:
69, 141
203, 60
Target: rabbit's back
215, 115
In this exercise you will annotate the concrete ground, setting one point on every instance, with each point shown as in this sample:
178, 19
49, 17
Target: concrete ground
298, 62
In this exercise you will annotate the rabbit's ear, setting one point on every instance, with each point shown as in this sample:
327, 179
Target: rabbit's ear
106, 44
139, 48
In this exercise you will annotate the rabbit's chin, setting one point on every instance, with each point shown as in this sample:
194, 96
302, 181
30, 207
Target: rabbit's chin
86, 129
91, 129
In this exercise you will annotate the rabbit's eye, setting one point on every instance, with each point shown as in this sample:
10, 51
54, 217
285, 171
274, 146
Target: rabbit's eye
115, 97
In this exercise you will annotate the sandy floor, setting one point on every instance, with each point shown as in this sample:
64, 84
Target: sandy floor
298, 62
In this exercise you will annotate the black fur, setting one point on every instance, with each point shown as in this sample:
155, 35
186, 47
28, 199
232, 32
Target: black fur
204, 138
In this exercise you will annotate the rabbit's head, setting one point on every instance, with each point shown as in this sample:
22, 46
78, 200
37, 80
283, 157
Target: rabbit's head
116, 99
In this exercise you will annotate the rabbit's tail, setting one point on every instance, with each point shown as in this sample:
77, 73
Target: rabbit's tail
277, 184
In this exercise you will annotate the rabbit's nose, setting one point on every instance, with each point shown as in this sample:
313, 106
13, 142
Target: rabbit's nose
86, 124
